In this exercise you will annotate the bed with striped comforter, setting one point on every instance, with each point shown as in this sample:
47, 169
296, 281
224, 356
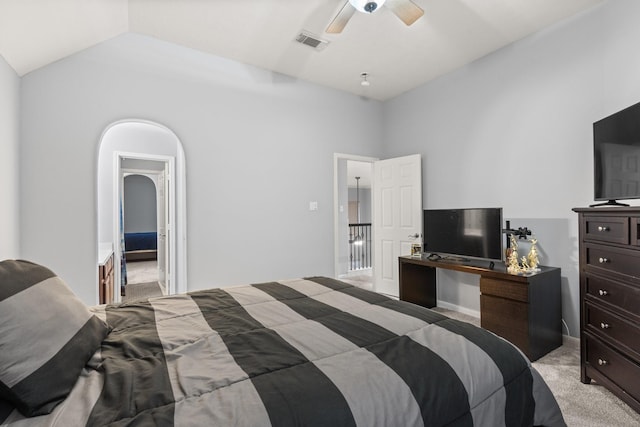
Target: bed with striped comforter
304, 352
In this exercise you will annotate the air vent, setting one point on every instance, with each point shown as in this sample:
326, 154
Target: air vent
311, 40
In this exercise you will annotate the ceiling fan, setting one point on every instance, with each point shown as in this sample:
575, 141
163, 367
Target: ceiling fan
406, 10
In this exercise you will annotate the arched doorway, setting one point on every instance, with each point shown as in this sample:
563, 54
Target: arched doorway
134, 142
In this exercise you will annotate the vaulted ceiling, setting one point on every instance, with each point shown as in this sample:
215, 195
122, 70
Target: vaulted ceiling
397, 58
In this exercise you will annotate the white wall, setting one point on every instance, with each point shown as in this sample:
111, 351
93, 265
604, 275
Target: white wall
258, 146
514, 129
139, 204
9, 137
130, 137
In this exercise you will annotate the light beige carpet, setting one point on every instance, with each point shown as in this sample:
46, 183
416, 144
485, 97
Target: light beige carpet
142, 271
141, 291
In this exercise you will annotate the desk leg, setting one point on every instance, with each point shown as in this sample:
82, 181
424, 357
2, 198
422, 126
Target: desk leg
417, 284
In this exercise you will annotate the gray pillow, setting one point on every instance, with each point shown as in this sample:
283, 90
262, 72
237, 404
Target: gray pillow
47, 335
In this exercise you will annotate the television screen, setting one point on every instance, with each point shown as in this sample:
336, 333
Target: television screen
475, 233
616, 161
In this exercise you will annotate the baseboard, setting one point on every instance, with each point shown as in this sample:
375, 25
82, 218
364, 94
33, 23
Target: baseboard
458, 308
356, 273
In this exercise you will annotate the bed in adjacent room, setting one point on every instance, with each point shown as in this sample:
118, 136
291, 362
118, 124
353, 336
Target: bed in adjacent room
302, 352
141, 246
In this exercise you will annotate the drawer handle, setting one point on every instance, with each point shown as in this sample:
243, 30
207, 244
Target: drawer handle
604, 325
602, 362
603, 293
603, 260
603, 228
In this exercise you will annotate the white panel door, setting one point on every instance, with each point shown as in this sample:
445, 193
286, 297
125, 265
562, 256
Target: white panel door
397, 217
162, 228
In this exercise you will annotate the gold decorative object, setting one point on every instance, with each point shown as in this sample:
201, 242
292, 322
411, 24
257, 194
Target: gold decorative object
527, 264
513, 266
533, 255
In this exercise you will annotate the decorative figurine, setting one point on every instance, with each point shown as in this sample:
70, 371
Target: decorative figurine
525, 265
533, 255
513, 266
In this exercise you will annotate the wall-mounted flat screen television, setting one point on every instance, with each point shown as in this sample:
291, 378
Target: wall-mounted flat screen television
461, 233
616, 160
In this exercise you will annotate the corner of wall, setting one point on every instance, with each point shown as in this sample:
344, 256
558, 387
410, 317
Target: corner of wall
9, 161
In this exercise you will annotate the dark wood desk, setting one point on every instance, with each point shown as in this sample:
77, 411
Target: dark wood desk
526, 310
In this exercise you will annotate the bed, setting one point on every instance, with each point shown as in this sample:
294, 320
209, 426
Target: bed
301, 352
141, 246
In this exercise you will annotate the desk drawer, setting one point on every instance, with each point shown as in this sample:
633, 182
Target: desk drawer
504, 289
605, 324
623, 296
507, 318
609, 259
605, 359
607, 229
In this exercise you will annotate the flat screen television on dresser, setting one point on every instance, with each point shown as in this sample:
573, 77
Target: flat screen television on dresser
461, 233
616, 156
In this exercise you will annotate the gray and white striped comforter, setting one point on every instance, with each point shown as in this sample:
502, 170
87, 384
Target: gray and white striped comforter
305, 352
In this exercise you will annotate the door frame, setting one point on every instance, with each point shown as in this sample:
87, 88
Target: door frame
171, 229
336, 206
154, 175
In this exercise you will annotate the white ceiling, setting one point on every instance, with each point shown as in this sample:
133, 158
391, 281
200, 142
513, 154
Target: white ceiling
452, 33
364, 170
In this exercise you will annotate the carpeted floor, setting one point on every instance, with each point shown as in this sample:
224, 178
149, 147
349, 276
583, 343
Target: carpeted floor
142, 271
140, 291
582, 405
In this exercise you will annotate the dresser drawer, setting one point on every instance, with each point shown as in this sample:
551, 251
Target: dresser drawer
606, 229
613, 365
610, 259
603, 323
635, 231
618, 294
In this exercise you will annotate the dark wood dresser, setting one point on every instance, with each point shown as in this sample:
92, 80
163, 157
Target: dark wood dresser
610, 300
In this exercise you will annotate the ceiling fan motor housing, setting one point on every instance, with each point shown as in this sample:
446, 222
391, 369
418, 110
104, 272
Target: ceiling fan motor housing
368, 6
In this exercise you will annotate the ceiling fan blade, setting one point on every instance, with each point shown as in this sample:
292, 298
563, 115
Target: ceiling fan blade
406, 10
341, 19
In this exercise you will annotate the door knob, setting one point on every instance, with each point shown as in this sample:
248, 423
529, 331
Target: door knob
414, 236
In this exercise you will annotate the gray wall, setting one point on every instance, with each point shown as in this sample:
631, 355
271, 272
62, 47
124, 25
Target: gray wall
139, 204
514, 129
259, 147
9, 137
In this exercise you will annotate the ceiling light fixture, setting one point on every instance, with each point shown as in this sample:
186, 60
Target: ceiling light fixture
364, 81
368, 6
